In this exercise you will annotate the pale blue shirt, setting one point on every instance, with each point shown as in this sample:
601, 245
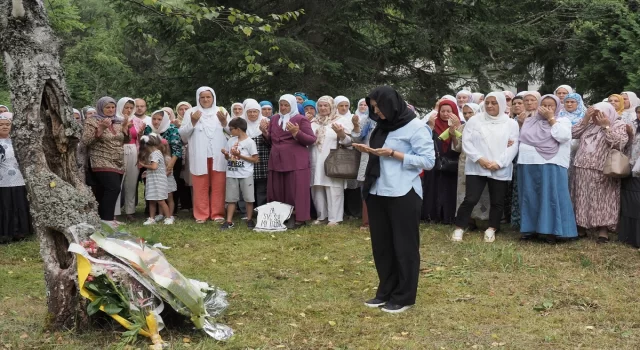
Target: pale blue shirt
398, 177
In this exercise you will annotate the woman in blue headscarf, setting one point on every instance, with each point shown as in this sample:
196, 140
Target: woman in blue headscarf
574, 108
309, 107
301, 97
267, 109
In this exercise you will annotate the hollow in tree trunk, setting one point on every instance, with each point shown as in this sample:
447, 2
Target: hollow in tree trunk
45, 136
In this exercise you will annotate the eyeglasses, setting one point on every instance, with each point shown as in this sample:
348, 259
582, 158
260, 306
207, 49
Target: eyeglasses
508, 99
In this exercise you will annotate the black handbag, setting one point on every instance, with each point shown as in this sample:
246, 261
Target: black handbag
342, 163
444, 163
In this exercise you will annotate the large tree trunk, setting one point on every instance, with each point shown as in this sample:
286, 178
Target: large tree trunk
45, 137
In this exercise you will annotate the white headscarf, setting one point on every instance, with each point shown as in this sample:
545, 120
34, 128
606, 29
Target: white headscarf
284, 118
8, 110
634, 101
566, 87
477, 96
464, 92
493, 130
253, 128
209, 117
233, 115
120, 107
362, 116
340, 99
474, 107
164, 124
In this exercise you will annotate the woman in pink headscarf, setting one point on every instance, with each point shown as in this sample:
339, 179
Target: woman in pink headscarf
596, 197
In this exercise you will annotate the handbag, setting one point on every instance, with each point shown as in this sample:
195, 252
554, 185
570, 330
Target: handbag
617, 164
444, 163
342, 163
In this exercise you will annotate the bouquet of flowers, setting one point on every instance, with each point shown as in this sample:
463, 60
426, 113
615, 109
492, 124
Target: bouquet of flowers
131, 280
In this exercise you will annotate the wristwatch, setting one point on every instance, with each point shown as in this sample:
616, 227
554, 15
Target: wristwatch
391, 155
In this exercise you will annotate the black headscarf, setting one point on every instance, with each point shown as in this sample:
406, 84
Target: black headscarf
396, 114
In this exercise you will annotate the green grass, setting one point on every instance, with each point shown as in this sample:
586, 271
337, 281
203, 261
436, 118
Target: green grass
304, 290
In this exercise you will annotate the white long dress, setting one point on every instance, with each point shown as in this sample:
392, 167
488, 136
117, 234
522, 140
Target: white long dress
327, 192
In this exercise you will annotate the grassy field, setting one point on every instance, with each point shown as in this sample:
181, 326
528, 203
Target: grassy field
304, 290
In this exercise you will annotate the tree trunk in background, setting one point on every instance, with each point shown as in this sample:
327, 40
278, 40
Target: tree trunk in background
45, 136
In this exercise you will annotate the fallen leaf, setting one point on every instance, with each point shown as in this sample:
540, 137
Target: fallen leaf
280, 346
24, 336
590, 328
404, 333
302, 314
186, 340
332, 323
10, 272
52, 184
326, 258
213, 260
367, 238
293, 325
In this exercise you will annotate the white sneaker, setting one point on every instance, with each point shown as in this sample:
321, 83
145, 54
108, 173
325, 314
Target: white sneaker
150, 221
169, 220
489, 235
159, 218
457, 235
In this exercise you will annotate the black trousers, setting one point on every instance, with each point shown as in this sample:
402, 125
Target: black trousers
182, 197
497, 196
107, 192
260, 188
395, 240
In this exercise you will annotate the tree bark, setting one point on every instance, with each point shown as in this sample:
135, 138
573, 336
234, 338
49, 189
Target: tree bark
45, 137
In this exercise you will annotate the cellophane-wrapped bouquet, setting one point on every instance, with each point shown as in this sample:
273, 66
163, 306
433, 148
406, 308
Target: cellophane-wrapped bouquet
130, 280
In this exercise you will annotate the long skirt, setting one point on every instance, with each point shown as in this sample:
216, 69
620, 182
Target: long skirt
629, 224
439, 200
596, 199
545, 202
14, 213
291, 187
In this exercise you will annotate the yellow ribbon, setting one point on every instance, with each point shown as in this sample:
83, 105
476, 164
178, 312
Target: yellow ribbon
84, 268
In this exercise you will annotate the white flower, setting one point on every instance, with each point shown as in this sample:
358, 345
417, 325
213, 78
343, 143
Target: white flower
97, 270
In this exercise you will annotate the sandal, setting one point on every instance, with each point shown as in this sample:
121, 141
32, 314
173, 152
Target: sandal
602, 240
200, 221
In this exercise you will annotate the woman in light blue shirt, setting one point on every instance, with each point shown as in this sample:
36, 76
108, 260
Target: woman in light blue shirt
400, 148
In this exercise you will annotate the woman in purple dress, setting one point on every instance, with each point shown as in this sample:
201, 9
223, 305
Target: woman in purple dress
289, 177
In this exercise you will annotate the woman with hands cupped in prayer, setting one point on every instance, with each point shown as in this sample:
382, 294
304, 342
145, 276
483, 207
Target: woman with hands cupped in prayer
400, 148
203, 130
543, 180
289, 180
596, 197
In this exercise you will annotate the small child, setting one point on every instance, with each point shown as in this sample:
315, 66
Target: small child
151, 158
241, 153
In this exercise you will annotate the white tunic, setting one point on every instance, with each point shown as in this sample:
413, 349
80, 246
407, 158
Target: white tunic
319, 156
201, 146
561, 132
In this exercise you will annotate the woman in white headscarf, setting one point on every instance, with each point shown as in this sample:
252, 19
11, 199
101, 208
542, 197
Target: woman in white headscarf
631, 101
124, 108
237, 110
4, 109
289, 178
462, 97
562, 91
203, 129
477, 98
253, 116
490, 141
329, 128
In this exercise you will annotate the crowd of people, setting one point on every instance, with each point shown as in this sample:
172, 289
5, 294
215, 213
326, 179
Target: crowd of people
550, 166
